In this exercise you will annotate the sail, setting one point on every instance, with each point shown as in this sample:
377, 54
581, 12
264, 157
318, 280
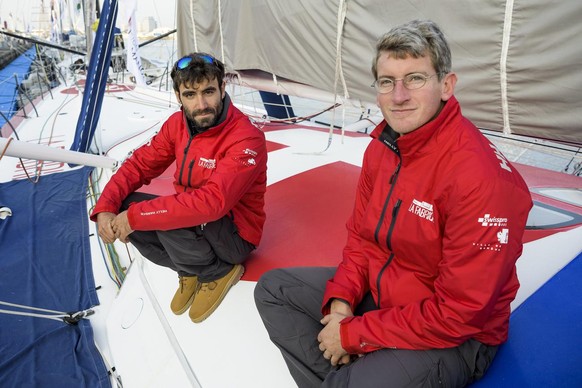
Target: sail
517, 60
96, 78
46, 273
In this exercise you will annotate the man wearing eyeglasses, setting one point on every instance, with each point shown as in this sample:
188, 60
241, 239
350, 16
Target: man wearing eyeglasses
206, 230
422, 295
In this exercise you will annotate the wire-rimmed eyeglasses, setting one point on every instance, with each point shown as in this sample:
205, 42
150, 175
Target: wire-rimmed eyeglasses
384, 85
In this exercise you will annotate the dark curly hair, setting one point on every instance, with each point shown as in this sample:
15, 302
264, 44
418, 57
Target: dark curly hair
196, 67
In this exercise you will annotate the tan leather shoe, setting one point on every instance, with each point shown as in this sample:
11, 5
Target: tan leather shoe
210, 295
184, 295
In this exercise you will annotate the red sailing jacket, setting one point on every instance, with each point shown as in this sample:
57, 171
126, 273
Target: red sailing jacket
435, 233
220, 171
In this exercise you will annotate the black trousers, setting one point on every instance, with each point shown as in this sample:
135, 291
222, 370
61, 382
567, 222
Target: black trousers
208, 251
289, 302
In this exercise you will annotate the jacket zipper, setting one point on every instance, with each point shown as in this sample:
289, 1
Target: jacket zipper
389, 244
388, 138
392, 223
380, 277
392, 182
184, 160
190, 167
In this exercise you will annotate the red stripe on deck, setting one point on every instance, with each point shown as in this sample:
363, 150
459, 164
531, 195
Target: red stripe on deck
306, 217
272, 146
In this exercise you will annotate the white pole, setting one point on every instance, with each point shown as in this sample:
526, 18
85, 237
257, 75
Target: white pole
21, 149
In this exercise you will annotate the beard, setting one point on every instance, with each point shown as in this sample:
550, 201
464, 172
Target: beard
210, 116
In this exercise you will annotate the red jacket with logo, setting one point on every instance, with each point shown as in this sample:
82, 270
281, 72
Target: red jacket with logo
434, 236
220, 171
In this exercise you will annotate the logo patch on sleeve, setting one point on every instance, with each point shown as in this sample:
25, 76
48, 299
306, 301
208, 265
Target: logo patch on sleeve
502, 234
248, 158
487, 220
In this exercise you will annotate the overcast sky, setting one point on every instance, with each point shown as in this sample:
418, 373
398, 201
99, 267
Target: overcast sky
162, 11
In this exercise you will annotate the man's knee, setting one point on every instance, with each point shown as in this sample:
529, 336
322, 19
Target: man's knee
270, 289
226, 242
265, 286
238, 255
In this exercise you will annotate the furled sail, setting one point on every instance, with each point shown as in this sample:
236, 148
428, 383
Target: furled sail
96, 78
518, 61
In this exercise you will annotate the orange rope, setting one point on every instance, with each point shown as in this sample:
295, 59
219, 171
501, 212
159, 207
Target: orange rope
5, 148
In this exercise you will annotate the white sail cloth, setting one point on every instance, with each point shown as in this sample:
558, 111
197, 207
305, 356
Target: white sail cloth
518, 61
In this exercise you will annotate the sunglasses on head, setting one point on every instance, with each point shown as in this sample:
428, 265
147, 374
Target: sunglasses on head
185, 61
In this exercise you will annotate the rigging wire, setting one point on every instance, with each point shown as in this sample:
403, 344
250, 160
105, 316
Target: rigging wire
219, 6
234, 80
341, 17
193, 25
68, 318
339, 76
115, 270
111, 370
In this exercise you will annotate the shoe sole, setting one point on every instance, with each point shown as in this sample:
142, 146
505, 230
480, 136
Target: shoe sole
212, 308
186, 306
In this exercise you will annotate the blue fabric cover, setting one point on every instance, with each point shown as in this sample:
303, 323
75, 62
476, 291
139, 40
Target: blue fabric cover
545, 341
8, 94
45, 262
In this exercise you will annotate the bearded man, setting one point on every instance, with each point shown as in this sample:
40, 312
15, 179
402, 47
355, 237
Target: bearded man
206, 230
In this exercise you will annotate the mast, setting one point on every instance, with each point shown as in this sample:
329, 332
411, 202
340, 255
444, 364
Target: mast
96, 78
89, 17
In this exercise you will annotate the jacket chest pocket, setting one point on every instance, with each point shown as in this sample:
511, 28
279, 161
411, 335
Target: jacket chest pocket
199, 170
417, 237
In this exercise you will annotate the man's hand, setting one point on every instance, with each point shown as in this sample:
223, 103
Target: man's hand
120, 225
104, 227
329, 337
341, 307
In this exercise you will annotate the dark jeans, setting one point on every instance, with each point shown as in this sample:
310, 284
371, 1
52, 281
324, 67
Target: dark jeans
289, 302
208, 251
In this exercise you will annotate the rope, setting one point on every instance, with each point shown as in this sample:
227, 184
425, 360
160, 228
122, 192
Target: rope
69, 318
40, 164
220, 30
276, 83
503, 65
339, 73
341, 18
5, 148
115, 270
111, 370
193, 26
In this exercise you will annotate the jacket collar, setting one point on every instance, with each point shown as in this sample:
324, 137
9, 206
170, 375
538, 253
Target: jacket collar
416, 142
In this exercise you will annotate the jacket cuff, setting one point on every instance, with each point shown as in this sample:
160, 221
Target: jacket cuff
326, 308
131, 217
351, 341
346, 340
